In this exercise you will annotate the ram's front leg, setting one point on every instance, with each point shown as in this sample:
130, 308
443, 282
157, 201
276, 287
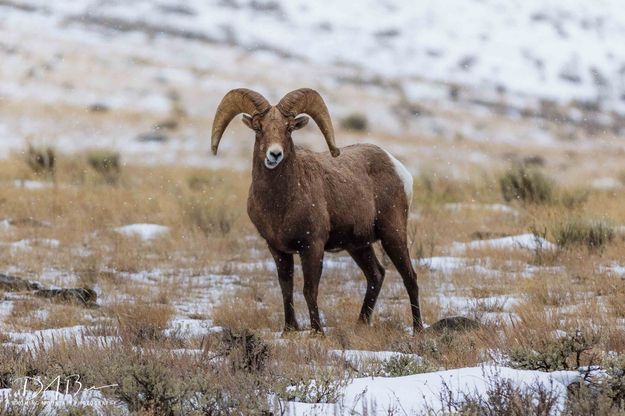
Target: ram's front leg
284, 265
312, 265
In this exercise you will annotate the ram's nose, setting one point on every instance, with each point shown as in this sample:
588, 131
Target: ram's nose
274, 156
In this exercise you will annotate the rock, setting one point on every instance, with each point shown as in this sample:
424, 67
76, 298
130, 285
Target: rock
99, 108
487, 235
169, 124
29, 222
455, 323
17, 284
82, 295
152, 137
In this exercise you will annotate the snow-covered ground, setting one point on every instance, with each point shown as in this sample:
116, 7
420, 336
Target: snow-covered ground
415, 394
419, 393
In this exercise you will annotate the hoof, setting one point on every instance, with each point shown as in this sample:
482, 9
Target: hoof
317, 332
363, 322
291, 328
417, 329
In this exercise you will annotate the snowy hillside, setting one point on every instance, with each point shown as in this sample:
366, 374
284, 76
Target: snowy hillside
560, 50
465, 83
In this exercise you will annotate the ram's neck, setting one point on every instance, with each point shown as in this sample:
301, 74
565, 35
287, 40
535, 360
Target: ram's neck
275, 189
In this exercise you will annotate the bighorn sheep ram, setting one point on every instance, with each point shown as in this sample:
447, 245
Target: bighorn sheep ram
307, 203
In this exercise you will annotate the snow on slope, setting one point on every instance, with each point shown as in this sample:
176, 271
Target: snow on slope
443, 79
559, 50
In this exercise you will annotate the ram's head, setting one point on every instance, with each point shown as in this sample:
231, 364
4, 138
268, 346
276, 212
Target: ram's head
273, 124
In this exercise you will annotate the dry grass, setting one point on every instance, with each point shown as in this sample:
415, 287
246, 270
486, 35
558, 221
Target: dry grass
139, 323
212, 268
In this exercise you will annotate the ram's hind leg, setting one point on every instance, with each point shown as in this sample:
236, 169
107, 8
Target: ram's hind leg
374, 272
395, 244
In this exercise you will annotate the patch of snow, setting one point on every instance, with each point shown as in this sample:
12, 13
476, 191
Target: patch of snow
338, 262
145, 232
27, 184
442, 264
464, 304
329, 262
47, 337
416, 393
558, 333
505, 209
606, 183
145, 276
27, 244
356, 356
449, 265
524, 241
614, 268
186, 327
505, 318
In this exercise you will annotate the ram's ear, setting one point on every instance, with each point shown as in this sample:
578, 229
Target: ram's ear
299, 122
247, 120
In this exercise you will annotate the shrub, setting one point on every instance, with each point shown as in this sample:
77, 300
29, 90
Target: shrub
41, 160
107, 163
78, 410
501, 399
602, 393
15, 405
151, 385
587, 400
245, 350
396, 366
355, 122
526, 185
615, 371
562, 353
324, 386
148, 381
592, 234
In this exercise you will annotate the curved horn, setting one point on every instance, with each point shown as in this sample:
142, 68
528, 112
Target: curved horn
240, 100
306, 100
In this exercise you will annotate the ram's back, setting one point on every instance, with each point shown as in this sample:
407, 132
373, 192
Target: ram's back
362, 186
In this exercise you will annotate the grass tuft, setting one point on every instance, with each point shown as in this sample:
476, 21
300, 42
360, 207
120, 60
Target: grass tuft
41, 160
526, 185
139, 323
592, 234
355, 122
107, 163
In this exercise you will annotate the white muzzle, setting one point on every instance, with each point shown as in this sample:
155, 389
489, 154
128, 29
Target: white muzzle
274, 156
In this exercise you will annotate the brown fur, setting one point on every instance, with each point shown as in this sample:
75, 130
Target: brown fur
313, 202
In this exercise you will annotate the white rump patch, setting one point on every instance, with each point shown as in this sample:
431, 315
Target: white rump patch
405, 176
